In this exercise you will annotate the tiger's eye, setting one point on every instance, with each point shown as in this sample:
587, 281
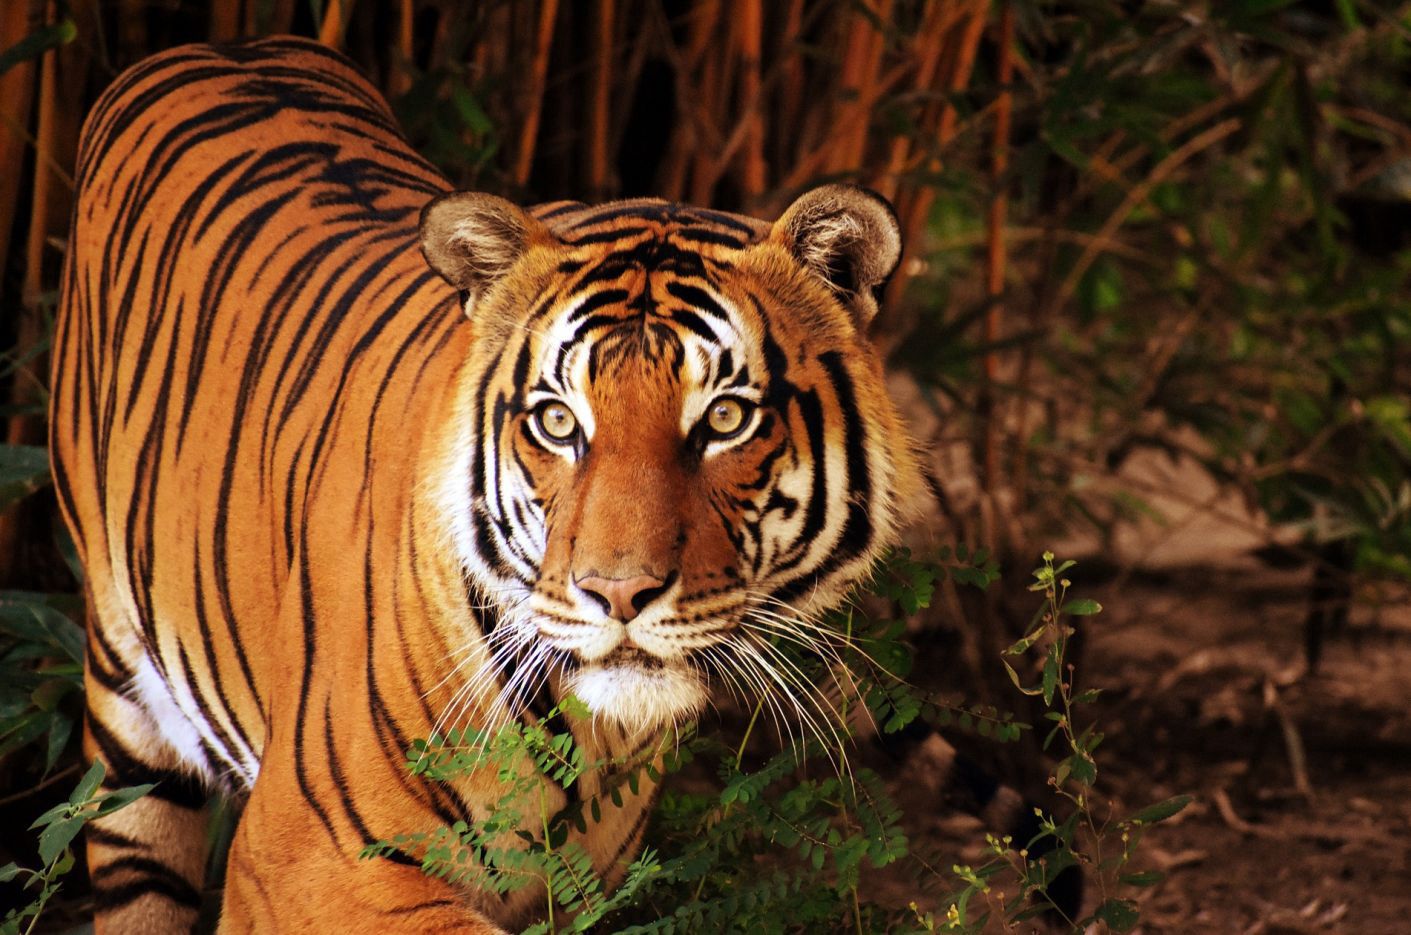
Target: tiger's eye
557, 421
726, 416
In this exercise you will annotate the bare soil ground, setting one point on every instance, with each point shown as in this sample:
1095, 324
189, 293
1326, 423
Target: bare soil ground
1302, 818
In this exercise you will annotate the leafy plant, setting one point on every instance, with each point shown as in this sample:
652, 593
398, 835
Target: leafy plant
1012, 885
787, 841
60, 825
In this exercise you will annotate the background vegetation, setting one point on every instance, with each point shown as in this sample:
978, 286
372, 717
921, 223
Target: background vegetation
1133, 227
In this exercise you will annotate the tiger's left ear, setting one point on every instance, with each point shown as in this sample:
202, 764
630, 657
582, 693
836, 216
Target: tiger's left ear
849, 236
473, 239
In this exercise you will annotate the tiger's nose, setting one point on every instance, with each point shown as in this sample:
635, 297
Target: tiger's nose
622, 598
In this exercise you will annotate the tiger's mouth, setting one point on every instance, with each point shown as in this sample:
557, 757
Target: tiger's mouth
637, 690
628, 656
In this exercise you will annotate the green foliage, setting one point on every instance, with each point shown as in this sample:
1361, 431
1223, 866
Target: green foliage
1102, 844
786, 842
1208, 257
34, 45
41, 672
60, 825
23, 470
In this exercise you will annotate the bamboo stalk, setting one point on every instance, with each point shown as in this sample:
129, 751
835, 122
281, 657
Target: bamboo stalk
637, 35
703, 169
692, 122
912, 213
46, 143
538, 76
789, 99
226, 19
867, 93
62, 77
132, 30
17, 20
817, 159
995, 247
752, 170
399, 78
598, 111
278, 17
333, 29
846, 97
715, 82
936, 22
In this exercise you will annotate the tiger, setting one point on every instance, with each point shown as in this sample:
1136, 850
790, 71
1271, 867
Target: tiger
350, 458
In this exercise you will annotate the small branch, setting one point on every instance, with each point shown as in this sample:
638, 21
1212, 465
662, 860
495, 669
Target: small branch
1159, 173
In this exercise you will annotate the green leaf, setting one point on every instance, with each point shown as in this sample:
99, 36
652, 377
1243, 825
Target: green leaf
1083, 607
1119, 914
1143, 878
112, 801
1079, 767
23, 468
24, 730
37, 43
60, 729
1050, 677
88, 784
56, 836
1161, 810
9, 872
30, 617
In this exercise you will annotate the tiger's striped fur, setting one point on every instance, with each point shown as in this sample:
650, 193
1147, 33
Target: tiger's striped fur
310, 482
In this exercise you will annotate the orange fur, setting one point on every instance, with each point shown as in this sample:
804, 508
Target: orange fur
270, 418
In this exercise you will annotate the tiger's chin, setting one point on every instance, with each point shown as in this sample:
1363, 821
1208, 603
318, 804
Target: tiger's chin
637, 697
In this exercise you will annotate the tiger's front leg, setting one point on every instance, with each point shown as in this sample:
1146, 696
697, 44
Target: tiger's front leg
294, 867
146, 861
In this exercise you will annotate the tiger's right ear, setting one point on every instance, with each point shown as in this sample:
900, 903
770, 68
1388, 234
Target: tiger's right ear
473, 239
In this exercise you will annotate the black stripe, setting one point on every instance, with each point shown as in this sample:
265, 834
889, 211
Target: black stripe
152, 877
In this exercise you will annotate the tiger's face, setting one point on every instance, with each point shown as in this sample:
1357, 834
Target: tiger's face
673, 444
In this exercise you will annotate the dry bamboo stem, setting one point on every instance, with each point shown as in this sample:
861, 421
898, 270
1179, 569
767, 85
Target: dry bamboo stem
937, 22
913, 212
718, 78
790, 96
46, 139
636, 35
399, 80
598, 126
856, 147
16, 98
691, 129
813, 162
226, 17
538, 76
995, 248
752, 174
335, 24
845, 98
268, 18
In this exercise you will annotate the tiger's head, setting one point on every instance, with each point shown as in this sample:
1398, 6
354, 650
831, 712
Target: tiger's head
672, 441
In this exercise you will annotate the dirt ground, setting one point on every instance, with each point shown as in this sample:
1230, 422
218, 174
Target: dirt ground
1302, 818
1302, 782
